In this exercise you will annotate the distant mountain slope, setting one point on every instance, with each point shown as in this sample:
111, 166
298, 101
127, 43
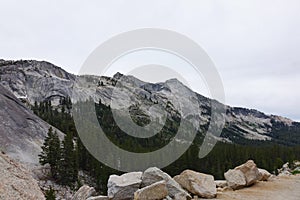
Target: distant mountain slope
21, 132
42, 81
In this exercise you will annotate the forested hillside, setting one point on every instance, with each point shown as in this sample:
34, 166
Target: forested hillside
267, 154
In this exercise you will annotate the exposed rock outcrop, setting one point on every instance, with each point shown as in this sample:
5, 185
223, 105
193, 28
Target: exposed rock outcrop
152, 192
123, 187
16, 182
197, 183
153, 175
21, 132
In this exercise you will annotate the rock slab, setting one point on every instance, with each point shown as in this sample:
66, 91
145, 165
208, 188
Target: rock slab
199, 184
84, 192
153, 175
155, 191
123, 187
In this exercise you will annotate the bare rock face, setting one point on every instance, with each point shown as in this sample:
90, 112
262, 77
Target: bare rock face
84, 192
39, 81
153, 175
197, 183
16, 182
155, 191
21, 132
264, 174
243, 175
123, 187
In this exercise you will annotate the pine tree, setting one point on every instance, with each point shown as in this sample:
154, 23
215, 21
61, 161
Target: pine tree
69, 164
51, 152
50, 194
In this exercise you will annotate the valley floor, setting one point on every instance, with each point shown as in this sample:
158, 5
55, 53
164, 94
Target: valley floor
278, 188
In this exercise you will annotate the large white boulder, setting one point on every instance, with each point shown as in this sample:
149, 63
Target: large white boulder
243, 175
123, 187
197, 183
250, 172
153, 175
235, 179
155, 191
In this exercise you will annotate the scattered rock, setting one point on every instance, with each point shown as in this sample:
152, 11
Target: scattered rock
197, 183
153, 175
264, 174
123, 187
285, 170
84, 192
221, 183
152, 192
227, 188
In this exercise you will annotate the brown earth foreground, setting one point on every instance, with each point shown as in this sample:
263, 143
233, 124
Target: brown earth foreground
277, 188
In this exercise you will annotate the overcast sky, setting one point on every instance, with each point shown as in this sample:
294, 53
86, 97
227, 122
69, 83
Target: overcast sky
253, 43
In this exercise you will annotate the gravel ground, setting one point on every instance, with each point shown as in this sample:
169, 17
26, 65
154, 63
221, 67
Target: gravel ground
278, 188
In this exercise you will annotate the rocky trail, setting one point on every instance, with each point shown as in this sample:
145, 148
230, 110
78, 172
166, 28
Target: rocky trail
276, 188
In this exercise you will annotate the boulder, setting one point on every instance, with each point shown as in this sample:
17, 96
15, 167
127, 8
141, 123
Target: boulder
123, 187
243, 175
153, 175
221, 183
285, 170
98, 198
235, 179
199, 184
250, 172
84, 192
264, 174
152, 192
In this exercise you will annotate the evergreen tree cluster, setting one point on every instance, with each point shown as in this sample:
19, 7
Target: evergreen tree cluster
62, 158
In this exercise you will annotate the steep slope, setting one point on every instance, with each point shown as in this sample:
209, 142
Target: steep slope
16, 182
21, 132
41, 81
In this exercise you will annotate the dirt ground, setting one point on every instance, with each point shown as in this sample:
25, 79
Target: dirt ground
277, 188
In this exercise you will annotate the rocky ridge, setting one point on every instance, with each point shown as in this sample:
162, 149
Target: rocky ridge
32, 81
